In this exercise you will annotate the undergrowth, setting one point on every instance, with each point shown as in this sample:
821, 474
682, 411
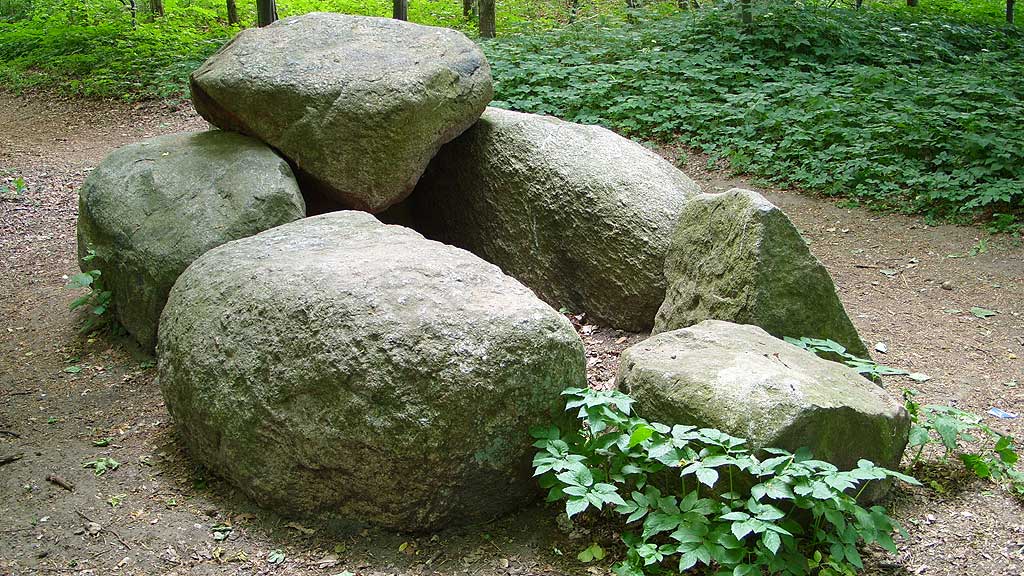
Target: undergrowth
984, 451
699, 497
910, 110
96, 302
887, 109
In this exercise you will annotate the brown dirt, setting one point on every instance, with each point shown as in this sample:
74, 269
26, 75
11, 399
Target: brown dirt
156, 512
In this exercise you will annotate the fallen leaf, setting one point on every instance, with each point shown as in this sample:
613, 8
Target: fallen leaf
982, 312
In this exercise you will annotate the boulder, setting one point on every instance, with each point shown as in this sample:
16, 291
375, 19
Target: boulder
735, 256
359, 105
151, 208
347, 368
577, 213
747, 383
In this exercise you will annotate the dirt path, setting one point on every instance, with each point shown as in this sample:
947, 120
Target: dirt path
63, 395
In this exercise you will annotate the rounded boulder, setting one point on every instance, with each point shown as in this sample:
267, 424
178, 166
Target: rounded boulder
149, 209
358, 104
341, 367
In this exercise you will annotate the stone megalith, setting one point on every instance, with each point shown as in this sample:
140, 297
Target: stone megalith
149, 209
735, 256
578, 213
342, 367
358, 104
747, 383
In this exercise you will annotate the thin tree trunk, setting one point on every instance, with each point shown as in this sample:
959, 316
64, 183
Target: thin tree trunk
468, 8
232, 12
134, 9
400, 10
156, 7
745, 14
912, 3
1009, 11
487, 25
266, 12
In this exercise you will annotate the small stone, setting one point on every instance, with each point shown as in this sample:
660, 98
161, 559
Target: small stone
947, 285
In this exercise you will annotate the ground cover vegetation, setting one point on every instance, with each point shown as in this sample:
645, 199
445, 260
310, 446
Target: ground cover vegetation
909, 109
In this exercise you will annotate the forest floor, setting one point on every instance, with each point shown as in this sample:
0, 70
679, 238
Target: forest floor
62, 393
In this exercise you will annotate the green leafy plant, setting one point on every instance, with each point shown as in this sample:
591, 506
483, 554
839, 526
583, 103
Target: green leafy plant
954, 429
97, 301
102, 465
591, 553
833, 351
692, 496
13, 191
951, 427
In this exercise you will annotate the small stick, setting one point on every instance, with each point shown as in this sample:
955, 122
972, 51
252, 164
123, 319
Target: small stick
10, 433
61, 482
865, 266
105, 529
11, 458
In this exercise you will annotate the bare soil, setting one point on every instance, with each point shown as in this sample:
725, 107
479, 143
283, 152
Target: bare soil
63, 394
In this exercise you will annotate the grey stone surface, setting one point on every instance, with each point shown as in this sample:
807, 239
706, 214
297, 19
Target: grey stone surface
735, 256
745, 382
358, 104
342, 367
151, 208
578, 213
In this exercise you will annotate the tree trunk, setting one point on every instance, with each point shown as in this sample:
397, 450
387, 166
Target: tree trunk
232, 12
400, 10
1009, 11
746, 16
266, 12
487, 25
468, 8
912, 3
156, 7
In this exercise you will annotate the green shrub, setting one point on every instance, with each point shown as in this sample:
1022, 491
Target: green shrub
694, 497
912, 114
96, 302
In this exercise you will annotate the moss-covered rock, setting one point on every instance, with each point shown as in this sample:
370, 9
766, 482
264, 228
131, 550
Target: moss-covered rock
342, 367
578, 213
151, 208
358, 104
736, 257
743, 381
